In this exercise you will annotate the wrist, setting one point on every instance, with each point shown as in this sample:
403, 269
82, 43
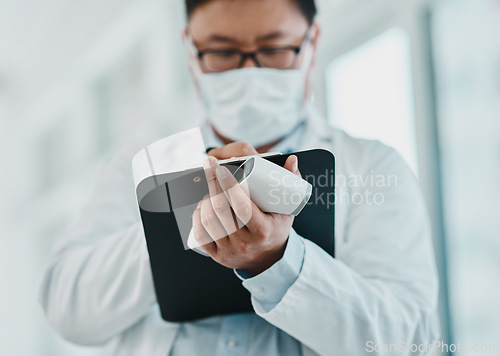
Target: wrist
267, 260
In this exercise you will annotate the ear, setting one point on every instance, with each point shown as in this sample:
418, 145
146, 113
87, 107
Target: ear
185, 33
315, 34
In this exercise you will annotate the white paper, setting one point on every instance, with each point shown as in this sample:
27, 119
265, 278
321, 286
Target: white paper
174, 153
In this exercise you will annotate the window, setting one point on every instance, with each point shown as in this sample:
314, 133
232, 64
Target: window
466, 57
369, 92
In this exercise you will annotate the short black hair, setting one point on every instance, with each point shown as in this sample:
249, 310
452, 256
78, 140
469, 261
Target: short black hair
307, 7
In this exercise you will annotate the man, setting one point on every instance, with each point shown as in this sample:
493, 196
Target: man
251, 61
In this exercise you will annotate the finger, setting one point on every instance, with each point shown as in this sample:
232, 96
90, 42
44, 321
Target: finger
222, 208
234, 149
209, 165
211, 222
223, 211
215, 222
239, 200
200, 234
216, 193
219, 202
292, 165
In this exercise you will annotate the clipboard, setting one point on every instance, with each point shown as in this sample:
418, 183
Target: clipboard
190, 286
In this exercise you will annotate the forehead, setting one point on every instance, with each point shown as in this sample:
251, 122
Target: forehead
246, 20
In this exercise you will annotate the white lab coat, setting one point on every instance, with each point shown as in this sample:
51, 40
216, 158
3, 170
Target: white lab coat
380, 288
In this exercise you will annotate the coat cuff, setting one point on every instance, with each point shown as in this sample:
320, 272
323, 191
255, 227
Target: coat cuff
269, 287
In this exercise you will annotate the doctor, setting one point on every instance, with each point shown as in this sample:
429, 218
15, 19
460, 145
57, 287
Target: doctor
252, 61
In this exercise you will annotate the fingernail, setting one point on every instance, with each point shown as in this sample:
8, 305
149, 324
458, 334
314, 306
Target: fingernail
296, 164
221, 172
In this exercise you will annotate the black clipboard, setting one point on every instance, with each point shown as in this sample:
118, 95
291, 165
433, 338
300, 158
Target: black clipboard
190, 286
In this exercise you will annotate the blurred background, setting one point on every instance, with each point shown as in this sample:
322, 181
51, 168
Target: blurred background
79, 79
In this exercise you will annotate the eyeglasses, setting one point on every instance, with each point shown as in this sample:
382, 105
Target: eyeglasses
221, 60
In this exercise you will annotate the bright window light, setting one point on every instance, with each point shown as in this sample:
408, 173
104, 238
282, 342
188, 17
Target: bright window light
370, 93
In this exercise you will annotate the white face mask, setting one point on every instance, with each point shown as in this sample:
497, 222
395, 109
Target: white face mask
255, 105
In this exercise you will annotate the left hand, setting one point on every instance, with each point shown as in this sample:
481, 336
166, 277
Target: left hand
233, 230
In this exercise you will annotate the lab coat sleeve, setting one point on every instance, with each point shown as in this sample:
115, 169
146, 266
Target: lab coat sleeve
270, 286
99, 282
383, 287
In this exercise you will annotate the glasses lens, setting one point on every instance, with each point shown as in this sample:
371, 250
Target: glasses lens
278, 58
221, 61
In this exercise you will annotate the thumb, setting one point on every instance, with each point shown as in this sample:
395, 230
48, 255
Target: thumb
292, 165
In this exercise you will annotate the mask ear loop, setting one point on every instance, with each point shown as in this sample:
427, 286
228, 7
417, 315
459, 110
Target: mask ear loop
307, 57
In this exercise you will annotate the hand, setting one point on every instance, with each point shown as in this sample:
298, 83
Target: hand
232, 229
